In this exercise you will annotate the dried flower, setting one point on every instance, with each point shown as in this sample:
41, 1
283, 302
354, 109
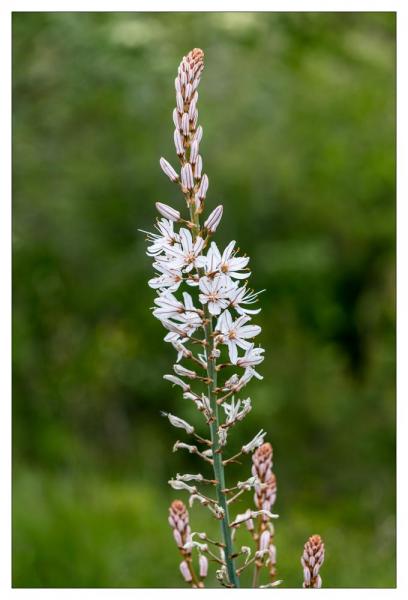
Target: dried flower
257, 441
177, 422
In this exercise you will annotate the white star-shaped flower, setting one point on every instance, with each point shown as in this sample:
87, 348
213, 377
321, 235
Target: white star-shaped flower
214, 293
227, 262
187, 254
236, 333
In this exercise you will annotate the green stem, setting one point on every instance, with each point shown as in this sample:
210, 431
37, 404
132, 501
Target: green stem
218, 466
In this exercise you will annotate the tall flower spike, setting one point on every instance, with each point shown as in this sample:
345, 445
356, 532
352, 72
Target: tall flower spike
213, 313
312, 559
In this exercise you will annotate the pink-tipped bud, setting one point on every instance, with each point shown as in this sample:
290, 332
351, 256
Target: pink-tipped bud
202, 190
198, 167
187, 180
177, 538
168, 170
250, 524
185, 571
203, 565
188, 91
168, 212
264, 540
192, 109
214, 219
198, 134
185, 124
180, 102
178, 142
176, 119
194, 152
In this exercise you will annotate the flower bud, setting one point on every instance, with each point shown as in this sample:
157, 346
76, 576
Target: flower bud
185, 124
187, 180
178, 142
264, 540
185, 571
180, 102
214, 219
203, 564
194, 152
168, 212
198, 167
168, 170
202, 190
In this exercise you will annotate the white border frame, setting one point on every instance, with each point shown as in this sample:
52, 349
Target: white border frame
6, 8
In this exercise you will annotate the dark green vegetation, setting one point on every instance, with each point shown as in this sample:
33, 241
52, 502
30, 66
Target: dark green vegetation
298, 116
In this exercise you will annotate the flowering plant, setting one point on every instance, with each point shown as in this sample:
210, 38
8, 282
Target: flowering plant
204, 302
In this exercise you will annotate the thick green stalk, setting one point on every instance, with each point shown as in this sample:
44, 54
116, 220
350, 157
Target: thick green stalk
218, 466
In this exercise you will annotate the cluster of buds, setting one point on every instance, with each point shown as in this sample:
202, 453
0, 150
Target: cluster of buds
204, 304
312, 559
264, 499
179, 522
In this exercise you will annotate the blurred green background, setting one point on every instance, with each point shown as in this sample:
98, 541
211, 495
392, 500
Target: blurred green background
298, 111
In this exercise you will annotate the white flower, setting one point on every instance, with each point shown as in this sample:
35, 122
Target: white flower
181, 485
170, 277
191, 449
226, 262
168, 305
235, 333
188, 253
177, 422
247, 484
241, 295
257, 441
233, 411
214, 293
167, 237
188, 477
252, 357
182, 351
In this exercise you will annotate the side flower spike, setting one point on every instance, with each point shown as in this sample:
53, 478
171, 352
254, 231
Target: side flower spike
312, 559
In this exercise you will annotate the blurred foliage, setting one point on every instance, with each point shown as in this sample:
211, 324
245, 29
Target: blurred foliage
298, 112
